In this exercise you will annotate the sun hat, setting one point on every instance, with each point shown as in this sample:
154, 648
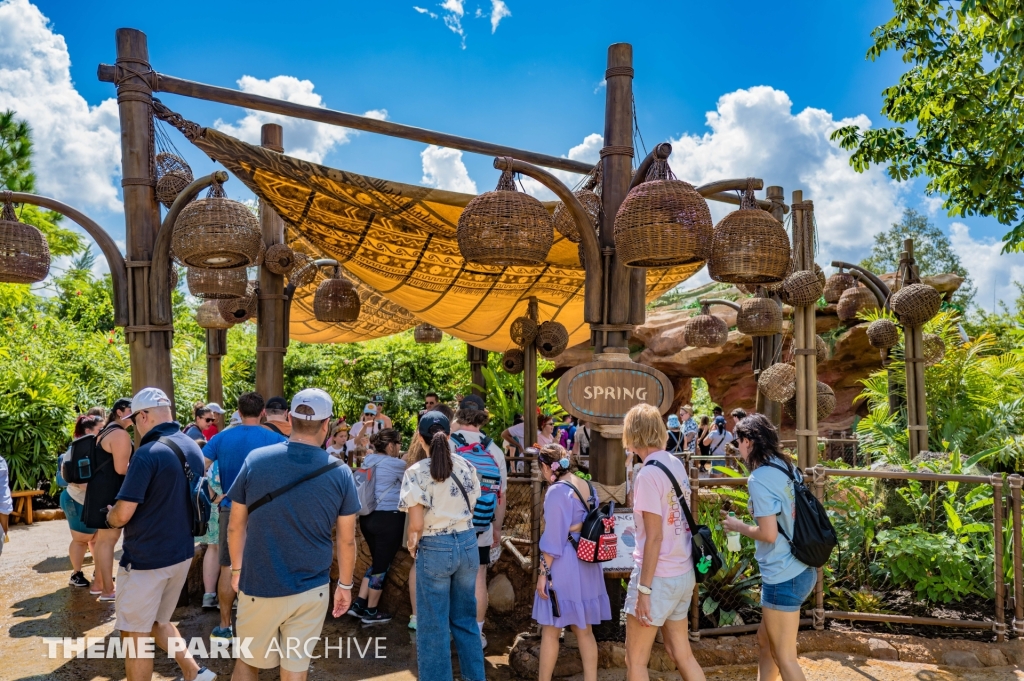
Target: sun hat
316, 399
149, 398
430, 419
673, 421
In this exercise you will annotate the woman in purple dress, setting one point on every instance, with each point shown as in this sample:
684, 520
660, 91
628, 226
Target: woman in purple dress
577, 587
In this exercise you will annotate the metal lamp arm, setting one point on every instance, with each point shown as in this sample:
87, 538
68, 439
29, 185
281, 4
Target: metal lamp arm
719, 301
862, 278
879, 284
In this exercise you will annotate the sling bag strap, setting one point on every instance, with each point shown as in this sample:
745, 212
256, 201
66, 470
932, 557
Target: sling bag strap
270, 496
679, 493
789, 474
586, 506
99, 437
463, 490
711, 453
186, 469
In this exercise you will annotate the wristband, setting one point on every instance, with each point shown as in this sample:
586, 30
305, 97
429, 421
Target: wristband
645, 590
236, 569
346, 587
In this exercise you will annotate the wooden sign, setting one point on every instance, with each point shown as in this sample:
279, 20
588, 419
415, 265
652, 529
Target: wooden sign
601, 393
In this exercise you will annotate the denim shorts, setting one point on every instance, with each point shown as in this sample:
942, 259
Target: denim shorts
788, 596
73, 512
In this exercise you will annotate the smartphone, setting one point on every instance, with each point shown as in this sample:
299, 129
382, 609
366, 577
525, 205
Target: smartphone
553, 597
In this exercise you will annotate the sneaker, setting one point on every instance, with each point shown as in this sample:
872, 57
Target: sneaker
412, 622
483, 640
205, 675
376, 617
234, 606
107, 599
78, 579
357, 611
210, 602
221, 632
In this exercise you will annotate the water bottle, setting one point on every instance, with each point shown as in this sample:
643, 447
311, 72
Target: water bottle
733, 538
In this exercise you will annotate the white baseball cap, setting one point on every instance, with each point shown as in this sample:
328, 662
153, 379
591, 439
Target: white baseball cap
149, 398
236, 419
319, 401
215, 408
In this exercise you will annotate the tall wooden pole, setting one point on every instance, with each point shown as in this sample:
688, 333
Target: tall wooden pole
149, 347
917, 406
477, 358
799, 334
773, 410
270, 322
530, 384
216, 348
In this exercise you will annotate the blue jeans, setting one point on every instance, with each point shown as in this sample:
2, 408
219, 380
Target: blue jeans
446, 567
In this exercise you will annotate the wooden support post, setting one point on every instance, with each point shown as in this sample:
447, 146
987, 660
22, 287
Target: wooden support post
819, 479
917, 404
270, 321
216, 348
477, 358
1016, 482
802, 389
998, 505
695, 601
773, 410
530, 384
149, 347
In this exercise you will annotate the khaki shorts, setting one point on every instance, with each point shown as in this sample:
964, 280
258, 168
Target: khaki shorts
289, 621
148, 597
670, 597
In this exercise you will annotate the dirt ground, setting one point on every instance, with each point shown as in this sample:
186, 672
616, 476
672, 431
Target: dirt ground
36, 602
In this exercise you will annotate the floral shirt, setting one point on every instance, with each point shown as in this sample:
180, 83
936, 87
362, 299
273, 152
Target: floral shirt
690, 426
445, 508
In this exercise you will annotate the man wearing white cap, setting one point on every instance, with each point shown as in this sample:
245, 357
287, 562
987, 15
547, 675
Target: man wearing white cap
153, 509
283, 576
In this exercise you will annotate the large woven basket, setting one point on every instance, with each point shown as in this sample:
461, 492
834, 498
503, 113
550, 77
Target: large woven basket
505, 227
915, 304
778, 382
564, 222
883, 334
820, 349
759, 317
279, 259
552, 339
836, 284
208, 315
426, 333
705, 330
802, 288
523, 331
216, 284
513, 361
242, 309
303, 272
336, 300
24, 253
217, 233
933, 348
854, 301
173, 174
826, 403
749, 246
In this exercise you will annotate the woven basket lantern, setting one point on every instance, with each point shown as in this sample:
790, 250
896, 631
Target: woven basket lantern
505, 227
303, 272
241, 309
826, 403
208, 316
172, 176
836, 284
564, 222
933, 348
662, 222
915, 304
552, 339
820, 349
425, 333
705, 330
279, 259
778, 382
217, 233
24, 253
749, 246
883, 334
523, 331
336, 300
802, 288
513, 361
216, 284
759, 317
854, 301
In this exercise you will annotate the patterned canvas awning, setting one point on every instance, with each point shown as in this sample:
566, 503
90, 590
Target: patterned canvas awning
399, 241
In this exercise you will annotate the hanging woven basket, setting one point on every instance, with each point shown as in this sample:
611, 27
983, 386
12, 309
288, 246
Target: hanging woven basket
513, 361
826, 403
241, 309
336, 300
749, 246
759, 317
820, 349
552, 339
217, 233
216, 284
705, 330
778, 382
523, 331
564, 222
505, 227
303, 273
802, 288
933, 348
854, 301
425, 333
208, 315
915, 304
24, 253
279, 259
883, 334
173, 174
836, 284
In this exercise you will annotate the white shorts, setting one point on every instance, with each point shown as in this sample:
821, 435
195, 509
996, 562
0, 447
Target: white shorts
293, 622
670, 597
148, 597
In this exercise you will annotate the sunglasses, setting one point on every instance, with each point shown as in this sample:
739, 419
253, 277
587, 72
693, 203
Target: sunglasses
208, 420
136, 415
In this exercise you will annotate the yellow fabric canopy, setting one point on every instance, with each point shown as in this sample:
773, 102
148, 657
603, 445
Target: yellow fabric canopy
399, 242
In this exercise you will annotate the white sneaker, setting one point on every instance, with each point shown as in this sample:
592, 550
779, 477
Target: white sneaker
210, 602
205, 675
412, 622
483, 640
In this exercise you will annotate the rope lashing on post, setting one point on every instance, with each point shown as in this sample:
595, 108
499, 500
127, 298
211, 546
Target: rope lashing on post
617, 150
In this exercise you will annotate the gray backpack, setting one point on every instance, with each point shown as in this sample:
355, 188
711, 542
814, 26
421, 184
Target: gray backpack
366, 488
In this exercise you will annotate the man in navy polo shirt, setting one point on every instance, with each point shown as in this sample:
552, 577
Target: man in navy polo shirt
153, 508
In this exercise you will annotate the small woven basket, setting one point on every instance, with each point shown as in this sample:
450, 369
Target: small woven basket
854, 301
749, 246
24, 253
242, 309
836, 284
802, 288
820, 349
217, 233
303, 272
426, 333
208, 315
513, 361
523, 331
759, 317
552, 339
505, 227
933, 348
216, 284
173, 174
279, 259
336, 300
705, 330
778, 382
883, 334
826, 401
915, 304
564, 222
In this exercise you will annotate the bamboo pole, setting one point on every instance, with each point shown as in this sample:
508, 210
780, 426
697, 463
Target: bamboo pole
999, 500
530, 384
800, 360
216, 348
695, 600
1016, 482
270, 331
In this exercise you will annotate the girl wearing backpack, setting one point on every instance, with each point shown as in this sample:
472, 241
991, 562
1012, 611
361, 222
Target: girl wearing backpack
786, 582
570, 593
71, 500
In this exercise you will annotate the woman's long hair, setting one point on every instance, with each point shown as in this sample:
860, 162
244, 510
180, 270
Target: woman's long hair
764, 439
84, 422
440, 454
122, 403
549, 454
380, 440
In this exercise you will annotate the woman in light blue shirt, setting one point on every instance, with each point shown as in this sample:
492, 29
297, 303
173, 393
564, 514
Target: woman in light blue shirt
786, 582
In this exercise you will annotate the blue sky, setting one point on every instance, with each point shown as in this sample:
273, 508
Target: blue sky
776, 83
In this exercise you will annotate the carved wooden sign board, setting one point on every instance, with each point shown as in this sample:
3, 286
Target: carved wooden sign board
601, 393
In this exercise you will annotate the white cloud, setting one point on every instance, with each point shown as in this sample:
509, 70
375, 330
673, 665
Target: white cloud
453, 13
602, 84
992, 271
588, 151
302, 139
499, 10
932, 204
77, 151
443, 168
423, 10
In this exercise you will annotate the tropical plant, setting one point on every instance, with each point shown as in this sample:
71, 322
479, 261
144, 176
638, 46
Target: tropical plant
504, 395
34, 412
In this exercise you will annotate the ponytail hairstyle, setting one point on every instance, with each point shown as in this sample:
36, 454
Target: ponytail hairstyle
764, 439
86, 422
434, 428
557, 459
381, 439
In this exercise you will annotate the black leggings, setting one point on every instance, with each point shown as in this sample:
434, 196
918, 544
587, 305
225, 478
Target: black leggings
383, 531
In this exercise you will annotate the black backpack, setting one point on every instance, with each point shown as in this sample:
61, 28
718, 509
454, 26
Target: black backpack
597, 542
79, 466
813, 535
